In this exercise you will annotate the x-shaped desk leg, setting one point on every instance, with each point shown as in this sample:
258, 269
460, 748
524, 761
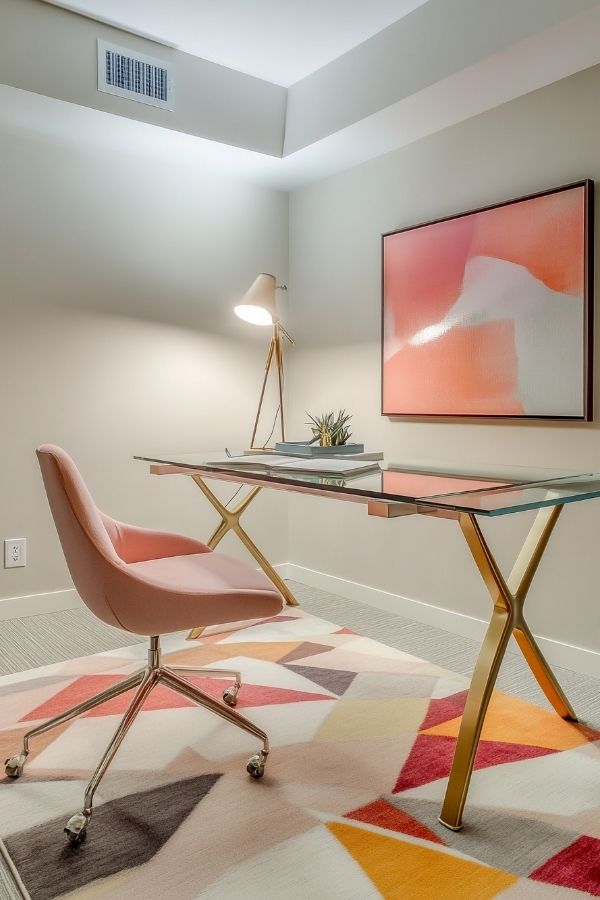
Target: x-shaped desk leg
508, 598
230, 521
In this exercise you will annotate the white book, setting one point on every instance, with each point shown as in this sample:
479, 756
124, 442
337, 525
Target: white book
319, 465
372, 455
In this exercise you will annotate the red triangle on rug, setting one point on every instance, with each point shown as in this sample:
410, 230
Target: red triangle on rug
384, 815
577, 866
444, 709
431, 758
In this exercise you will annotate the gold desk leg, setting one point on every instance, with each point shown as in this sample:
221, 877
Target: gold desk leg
507, 617
519, 582
543, 673
230, 521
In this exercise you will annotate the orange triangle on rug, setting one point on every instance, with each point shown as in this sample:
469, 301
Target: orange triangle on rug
512, 720
413, 872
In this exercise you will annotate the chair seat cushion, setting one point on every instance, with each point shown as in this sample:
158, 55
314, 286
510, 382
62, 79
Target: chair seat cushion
199, 589
203, 573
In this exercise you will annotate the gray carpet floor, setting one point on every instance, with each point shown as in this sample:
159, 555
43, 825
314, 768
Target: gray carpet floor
39, 640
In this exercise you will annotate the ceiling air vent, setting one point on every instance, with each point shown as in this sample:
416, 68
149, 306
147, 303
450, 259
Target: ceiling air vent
134, 76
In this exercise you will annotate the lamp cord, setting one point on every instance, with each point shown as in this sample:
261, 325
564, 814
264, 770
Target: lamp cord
264, 446
276, 413
233, 496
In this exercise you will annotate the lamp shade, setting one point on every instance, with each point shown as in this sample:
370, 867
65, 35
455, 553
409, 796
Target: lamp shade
258, 303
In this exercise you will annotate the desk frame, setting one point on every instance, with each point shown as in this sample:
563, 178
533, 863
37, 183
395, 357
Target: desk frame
507, 595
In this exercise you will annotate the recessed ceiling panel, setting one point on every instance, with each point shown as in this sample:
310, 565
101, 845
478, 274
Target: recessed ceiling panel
279, 40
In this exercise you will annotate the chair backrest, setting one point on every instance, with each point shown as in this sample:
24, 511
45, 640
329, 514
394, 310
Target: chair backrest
86, 544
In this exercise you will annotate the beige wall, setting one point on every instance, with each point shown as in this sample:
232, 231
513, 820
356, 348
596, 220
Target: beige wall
118, 274
544, 139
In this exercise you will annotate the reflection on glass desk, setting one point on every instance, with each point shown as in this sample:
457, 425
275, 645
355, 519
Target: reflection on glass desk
430, 488
487, 491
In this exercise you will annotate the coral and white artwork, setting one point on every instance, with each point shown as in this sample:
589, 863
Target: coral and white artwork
487, 314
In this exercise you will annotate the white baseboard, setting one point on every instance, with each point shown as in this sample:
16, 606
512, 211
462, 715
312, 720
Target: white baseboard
578, 659
33, 604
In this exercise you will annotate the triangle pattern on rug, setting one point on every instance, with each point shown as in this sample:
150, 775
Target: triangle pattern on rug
521, 844
384, 815
162, 697
512, 720
277, 619
127, 833
335, 680
269, 651
577, 866
431, 758
443, 709
211, 638
413, 872
312, 865
11, 742
308, 648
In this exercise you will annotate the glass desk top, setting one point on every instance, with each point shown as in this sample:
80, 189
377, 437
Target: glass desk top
485, 490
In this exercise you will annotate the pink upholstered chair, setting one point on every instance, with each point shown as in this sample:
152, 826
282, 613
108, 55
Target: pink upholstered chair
146, 582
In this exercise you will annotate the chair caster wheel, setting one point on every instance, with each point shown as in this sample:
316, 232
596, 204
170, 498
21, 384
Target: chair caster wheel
256, 765
76, 829
230, 696
13, 767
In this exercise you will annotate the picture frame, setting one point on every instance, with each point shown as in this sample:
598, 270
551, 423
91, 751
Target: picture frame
488, 313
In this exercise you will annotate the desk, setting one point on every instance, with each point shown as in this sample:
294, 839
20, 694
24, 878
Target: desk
460, 494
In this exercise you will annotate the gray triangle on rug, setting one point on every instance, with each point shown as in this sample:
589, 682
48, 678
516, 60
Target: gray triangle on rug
335, 680
127, 833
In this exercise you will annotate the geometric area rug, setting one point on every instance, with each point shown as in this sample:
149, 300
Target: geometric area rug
362, 737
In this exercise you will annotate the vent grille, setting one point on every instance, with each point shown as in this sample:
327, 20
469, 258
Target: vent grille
136, 77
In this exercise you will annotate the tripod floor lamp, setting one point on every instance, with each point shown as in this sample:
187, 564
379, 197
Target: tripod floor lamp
258, 306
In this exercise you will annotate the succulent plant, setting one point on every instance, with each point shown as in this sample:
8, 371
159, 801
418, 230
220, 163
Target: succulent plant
330, 430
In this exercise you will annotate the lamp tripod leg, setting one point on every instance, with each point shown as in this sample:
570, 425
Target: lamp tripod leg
279, 364
268, 362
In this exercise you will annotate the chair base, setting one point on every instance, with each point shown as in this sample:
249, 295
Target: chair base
145, 680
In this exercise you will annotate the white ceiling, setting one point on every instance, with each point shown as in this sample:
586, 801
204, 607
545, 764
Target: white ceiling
280, 41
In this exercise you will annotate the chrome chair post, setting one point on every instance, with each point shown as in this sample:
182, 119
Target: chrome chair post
154, 654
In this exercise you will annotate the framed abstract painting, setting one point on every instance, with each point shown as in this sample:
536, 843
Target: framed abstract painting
489, 313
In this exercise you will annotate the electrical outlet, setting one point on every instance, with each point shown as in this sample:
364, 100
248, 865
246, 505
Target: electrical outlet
15, 552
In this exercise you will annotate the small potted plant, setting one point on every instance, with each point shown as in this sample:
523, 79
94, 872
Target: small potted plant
330, 430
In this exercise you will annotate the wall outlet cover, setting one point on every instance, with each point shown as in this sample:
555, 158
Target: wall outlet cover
15, 552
